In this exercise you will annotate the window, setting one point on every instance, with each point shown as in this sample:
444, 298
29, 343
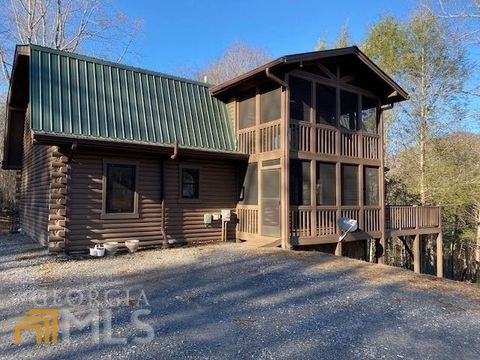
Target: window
326, 105
349, 185
270, 103
300, 182
326, 184
348, 110
369, 114
300, 98
249, 191
120, 188
190, 183
246, 109
370, 175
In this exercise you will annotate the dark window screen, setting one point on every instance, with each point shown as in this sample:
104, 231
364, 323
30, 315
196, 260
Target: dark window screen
120, 195
249, 194
326, 105
246, 110
348, 110
349, 185
326, 184
369, 114
270, 104
371, 186
300, 98
300, 182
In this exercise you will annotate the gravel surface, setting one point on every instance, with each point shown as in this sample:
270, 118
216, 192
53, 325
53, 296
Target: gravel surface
229, 301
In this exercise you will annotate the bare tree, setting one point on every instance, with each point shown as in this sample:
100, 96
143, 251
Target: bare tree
90, 26
420, 54
465, 13
70, 25
237, 59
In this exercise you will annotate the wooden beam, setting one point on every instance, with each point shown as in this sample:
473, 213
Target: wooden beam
440, 255
416, 254
411, 232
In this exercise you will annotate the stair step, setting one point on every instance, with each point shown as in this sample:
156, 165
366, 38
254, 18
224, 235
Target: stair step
259, 243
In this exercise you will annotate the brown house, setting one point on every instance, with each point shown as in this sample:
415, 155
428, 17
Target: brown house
107, 152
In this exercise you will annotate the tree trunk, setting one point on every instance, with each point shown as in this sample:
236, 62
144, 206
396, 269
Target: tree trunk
476, 277
422, 130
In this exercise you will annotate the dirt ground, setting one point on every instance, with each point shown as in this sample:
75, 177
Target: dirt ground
229, 301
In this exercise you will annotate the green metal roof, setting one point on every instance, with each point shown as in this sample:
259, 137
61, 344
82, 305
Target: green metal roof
77, 95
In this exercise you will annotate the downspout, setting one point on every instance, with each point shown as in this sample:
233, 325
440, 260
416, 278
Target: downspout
175, 151
174, 156
285, 207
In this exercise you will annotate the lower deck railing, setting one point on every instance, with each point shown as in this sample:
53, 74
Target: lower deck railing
309, 222
412, 217
306, 221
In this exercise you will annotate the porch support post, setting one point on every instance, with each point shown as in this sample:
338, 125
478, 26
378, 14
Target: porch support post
416, 254
338, 249
440, 255
383, 243
285, 160
383, 210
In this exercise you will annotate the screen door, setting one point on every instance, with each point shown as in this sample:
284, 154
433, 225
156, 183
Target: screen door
270, 202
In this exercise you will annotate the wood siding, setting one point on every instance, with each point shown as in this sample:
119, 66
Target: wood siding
218, 190
184, 218
34, 188
85, 204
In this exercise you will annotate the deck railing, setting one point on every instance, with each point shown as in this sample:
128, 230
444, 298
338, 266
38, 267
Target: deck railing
246, 141
270, 136
307, 222
322, 139
247, 219
412, 217
9, 221
325, 141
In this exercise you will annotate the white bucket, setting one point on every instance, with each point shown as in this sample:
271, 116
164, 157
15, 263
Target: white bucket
97, 251
132, 245
111, 247
100, 250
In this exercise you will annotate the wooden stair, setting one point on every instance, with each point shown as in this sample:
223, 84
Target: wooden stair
263, 243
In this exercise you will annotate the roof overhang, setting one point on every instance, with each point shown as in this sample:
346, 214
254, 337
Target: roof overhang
105, 144
16, 106
288, 62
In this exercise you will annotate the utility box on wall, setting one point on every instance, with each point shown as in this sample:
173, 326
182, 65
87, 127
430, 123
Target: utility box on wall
207, 219
226, 213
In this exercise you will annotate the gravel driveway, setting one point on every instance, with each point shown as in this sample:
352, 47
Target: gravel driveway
228, 301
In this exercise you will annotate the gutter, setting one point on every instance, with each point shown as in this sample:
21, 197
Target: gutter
284, 181
128, 146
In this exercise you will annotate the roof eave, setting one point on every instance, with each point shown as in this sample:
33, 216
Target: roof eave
128, 145
290, 59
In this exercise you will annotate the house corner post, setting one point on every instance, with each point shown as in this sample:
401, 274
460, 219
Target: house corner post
57, 217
